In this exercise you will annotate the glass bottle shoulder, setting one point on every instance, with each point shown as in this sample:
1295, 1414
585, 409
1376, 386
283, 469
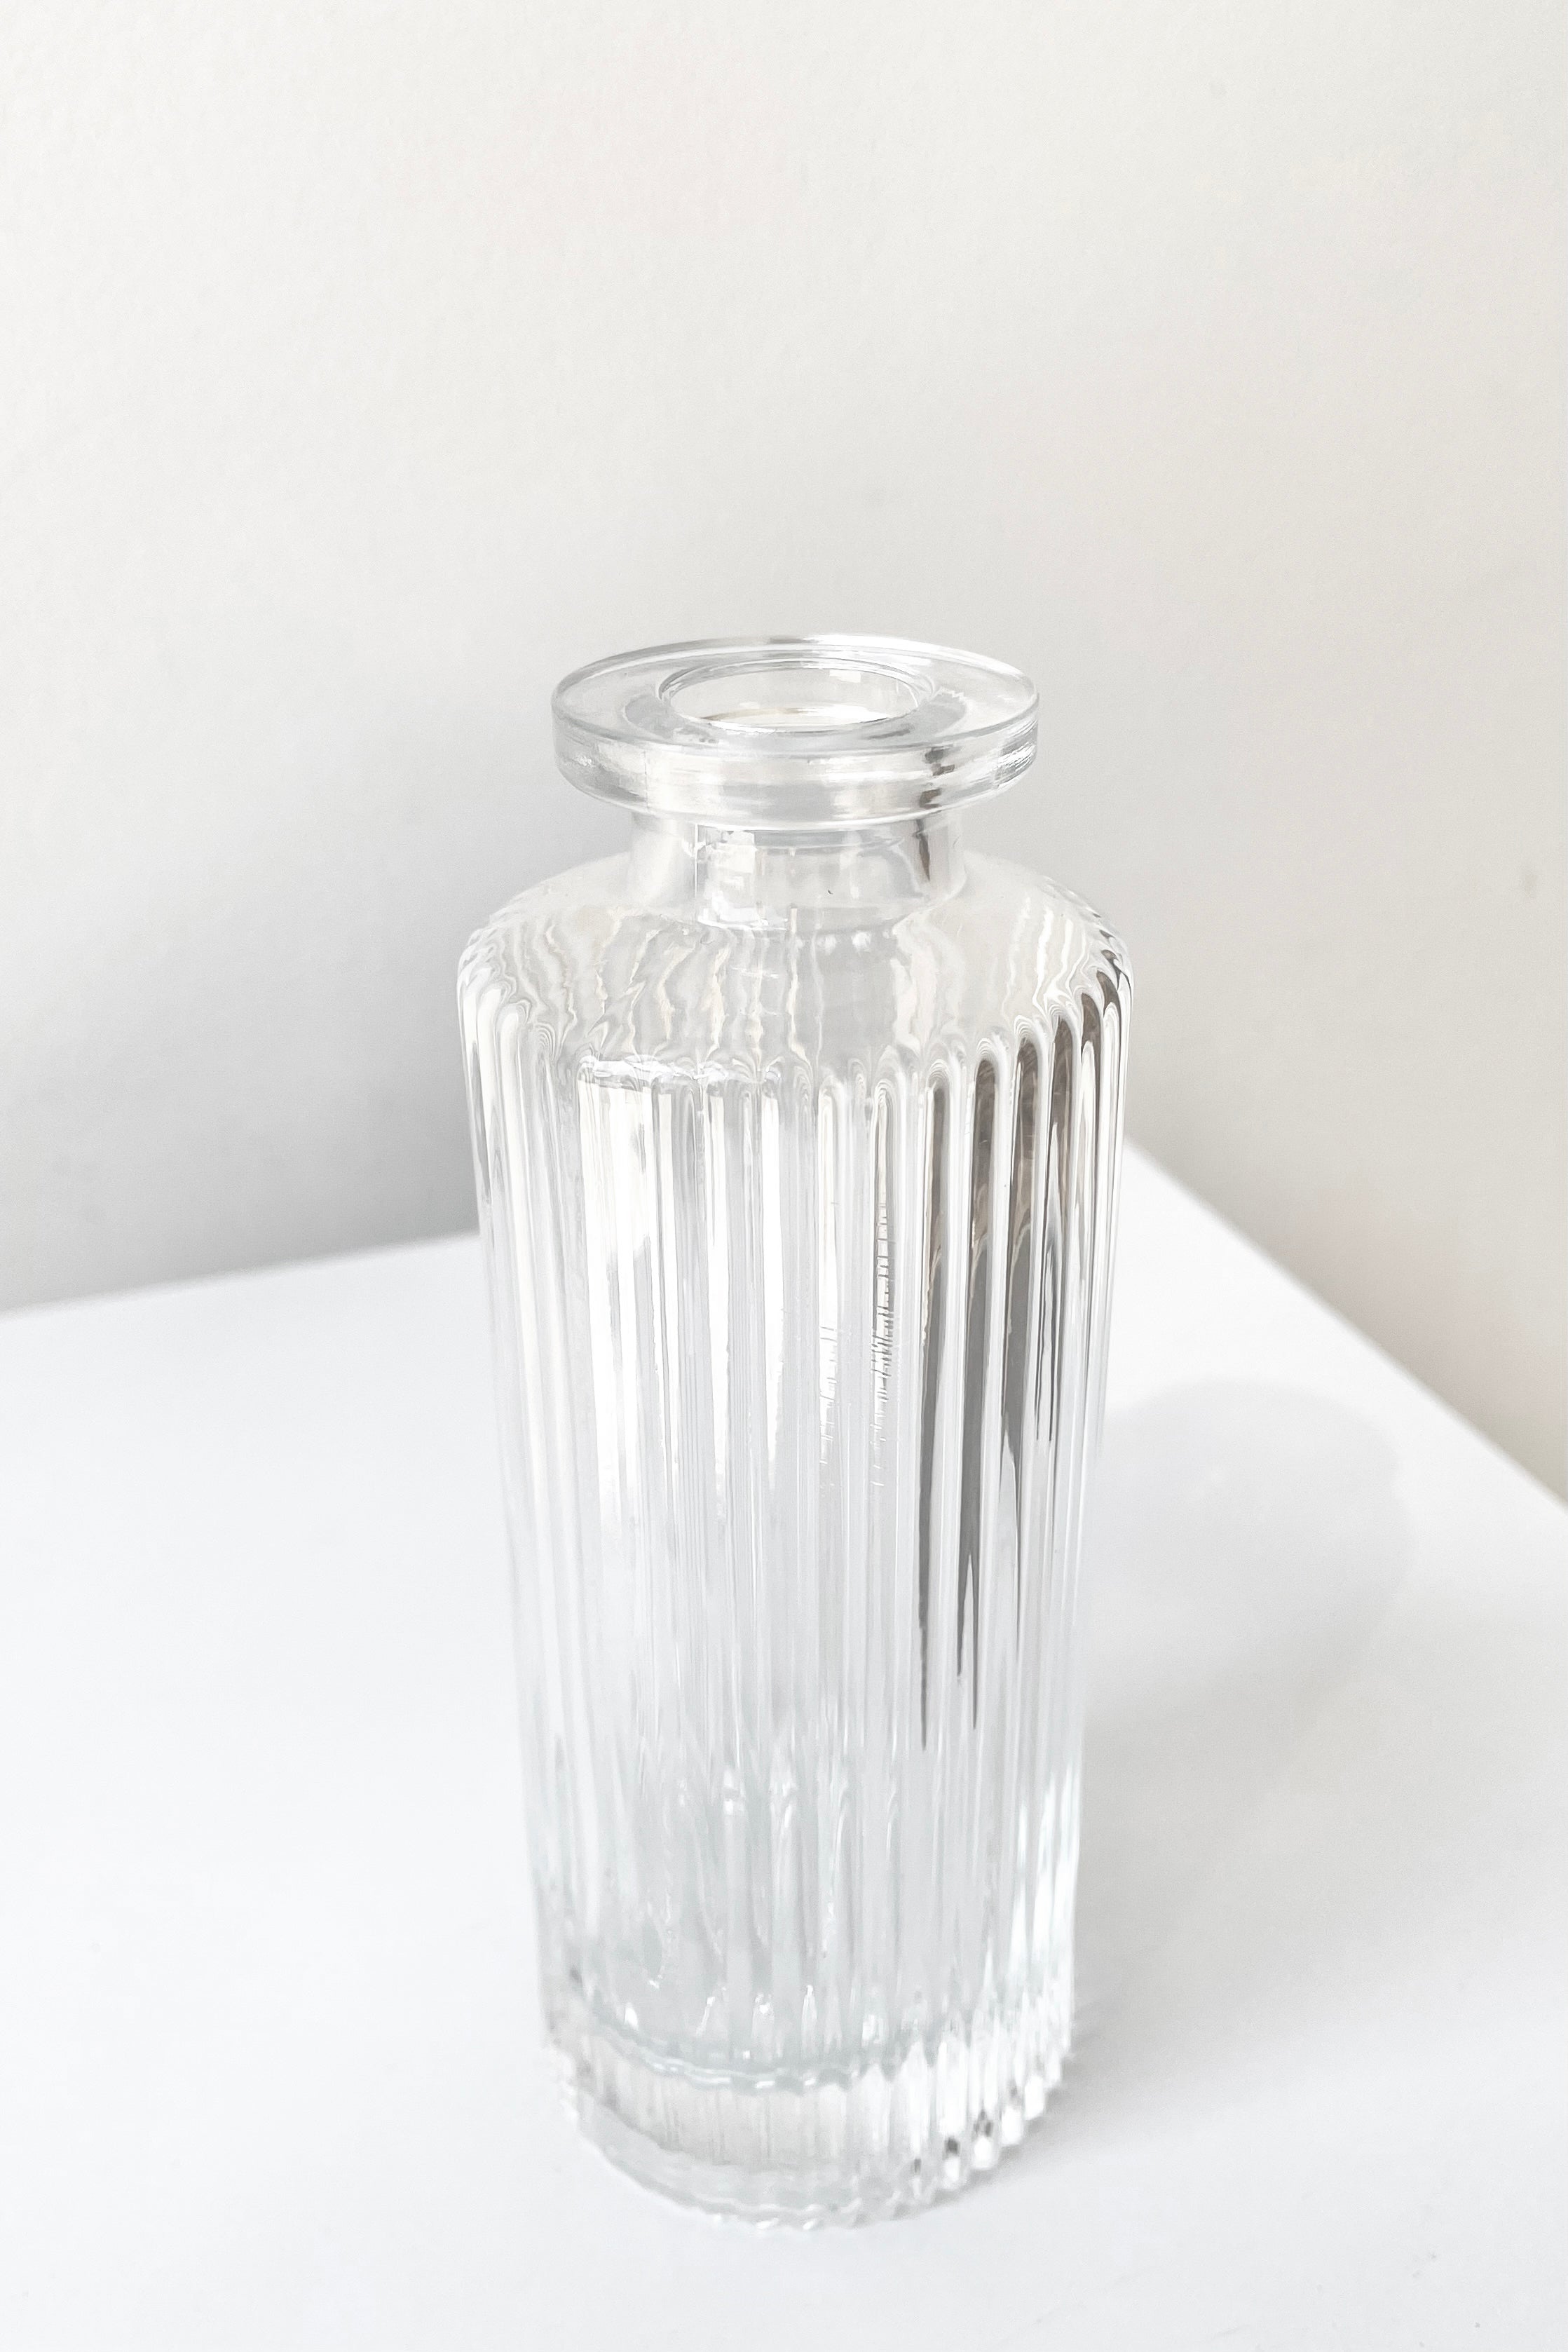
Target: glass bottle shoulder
612, 979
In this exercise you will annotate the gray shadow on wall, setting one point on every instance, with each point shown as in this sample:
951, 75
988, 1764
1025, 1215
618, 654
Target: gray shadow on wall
1246, 1542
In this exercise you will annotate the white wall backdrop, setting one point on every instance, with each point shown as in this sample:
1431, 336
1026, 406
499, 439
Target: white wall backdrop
364, 366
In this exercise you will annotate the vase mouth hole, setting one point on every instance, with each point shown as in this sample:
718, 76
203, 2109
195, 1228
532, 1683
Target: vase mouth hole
790, 696
794, 734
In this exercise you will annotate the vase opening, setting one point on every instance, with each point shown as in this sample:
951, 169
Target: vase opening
791, 695
795, 735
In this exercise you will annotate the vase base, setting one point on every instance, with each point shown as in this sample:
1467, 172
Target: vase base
817, 2148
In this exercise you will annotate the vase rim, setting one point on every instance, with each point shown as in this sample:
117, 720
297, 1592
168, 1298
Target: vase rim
795, 734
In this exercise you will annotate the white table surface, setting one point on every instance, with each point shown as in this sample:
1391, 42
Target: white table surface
269, 2072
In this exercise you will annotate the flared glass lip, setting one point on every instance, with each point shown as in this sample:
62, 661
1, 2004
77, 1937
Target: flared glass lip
795, 734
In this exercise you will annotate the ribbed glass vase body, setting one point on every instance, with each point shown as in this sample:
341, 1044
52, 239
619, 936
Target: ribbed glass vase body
797, 1161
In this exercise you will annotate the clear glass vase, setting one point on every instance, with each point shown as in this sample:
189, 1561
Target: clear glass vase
797, 1132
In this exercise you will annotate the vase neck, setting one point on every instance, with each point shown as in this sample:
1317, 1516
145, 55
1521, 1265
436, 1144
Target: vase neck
772, 881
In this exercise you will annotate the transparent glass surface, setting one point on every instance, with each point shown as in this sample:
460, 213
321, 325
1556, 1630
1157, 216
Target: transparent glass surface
797, 1132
